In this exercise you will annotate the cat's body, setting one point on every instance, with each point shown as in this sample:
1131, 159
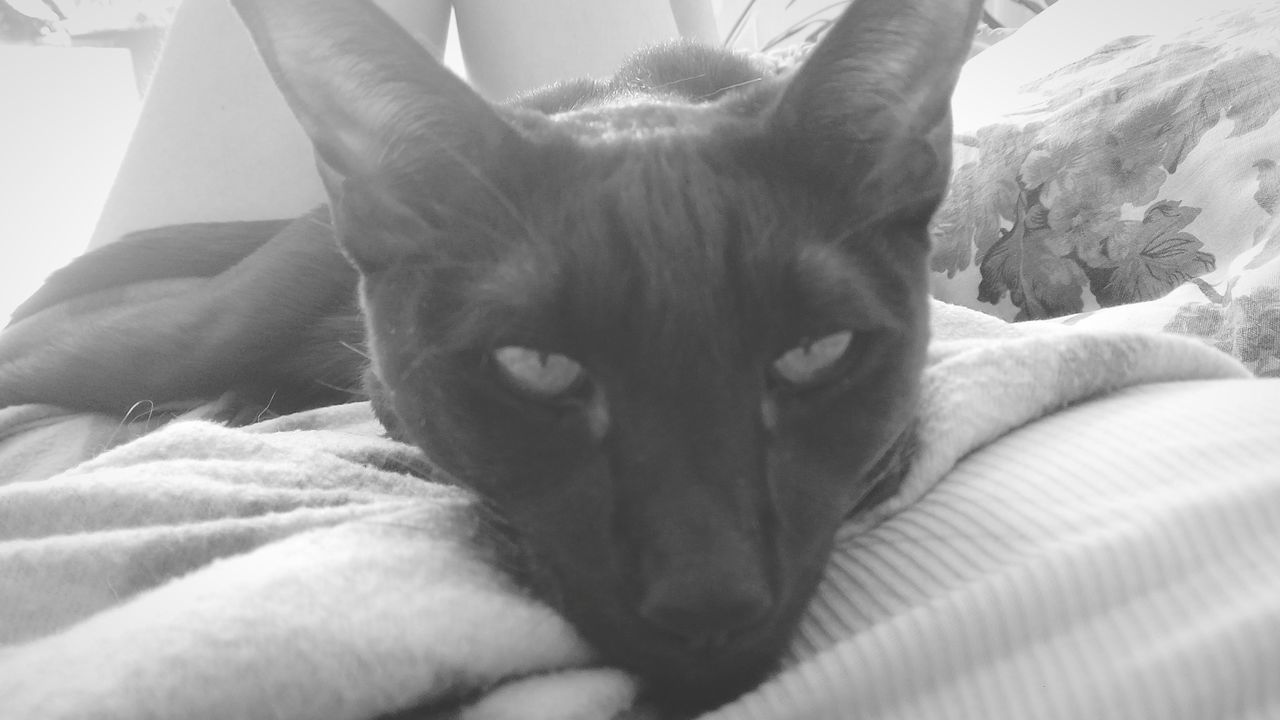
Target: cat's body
322, 361
668, 325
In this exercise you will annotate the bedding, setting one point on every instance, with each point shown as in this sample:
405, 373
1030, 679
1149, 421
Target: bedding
1118, 154
292, 569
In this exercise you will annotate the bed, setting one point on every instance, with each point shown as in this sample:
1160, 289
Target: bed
1089, 528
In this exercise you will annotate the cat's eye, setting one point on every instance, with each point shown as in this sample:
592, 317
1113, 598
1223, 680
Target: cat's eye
811, 361
546, 376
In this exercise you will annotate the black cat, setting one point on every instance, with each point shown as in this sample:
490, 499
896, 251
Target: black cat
668, 325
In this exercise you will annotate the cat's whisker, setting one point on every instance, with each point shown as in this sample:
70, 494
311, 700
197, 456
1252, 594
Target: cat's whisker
323, 222
356, 350
265, 408
129, 418
727, 88
677, 81
355, 392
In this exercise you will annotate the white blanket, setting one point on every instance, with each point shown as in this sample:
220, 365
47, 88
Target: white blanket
285, 570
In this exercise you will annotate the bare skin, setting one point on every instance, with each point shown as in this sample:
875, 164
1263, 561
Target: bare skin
215, 141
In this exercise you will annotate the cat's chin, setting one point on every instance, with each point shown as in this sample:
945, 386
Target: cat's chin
679, 675
683, 679
688, 677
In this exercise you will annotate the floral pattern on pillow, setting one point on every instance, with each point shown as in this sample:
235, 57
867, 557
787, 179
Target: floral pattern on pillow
1247, 327
1147, 165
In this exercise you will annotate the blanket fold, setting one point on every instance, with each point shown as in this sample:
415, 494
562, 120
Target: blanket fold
286, 570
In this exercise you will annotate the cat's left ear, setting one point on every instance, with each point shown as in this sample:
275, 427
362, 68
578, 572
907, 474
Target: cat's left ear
872, 103
377, 107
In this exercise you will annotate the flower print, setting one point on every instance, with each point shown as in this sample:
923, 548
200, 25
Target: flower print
1255, 328
1129, 158
1042, 200
1199, 319
1247, 327
1082, 213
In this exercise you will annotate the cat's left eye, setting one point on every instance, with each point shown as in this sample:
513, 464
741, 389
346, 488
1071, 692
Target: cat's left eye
811, 361
545, 376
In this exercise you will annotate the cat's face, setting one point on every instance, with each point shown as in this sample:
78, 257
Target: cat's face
670, 366
667, 343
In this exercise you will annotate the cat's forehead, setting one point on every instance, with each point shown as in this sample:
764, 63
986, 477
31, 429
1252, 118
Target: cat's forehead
644, 260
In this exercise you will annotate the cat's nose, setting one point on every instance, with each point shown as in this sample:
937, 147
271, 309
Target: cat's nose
707, 609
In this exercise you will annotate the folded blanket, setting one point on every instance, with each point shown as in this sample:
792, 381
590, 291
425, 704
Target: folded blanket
290, 569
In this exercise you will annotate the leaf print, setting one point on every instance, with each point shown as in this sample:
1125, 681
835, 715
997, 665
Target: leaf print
969, 218
1267, 196
1043, 212
1270, 234
1168, 216
1164, 264
1039, 283
1152, 257
952, 247
1250, 96
982, 196
1268, 192
1112, 50
1161, 107
1211, 292
1241, 88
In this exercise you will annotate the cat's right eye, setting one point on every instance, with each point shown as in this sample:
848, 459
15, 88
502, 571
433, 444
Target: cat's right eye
542, 375
811, 361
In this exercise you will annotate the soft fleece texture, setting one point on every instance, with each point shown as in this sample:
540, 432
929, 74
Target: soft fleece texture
279, 571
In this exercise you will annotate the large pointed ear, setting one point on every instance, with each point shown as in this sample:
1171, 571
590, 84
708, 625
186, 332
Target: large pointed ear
872, 103
377, 107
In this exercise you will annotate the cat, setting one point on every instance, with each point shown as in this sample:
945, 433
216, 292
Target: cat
670, 325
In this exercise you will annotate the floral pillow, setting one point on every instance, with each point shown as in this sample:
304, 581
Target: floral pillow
1144, 172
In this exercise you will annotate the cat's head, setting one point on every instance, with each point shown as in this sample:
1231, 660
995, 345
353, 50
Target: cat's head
667, 341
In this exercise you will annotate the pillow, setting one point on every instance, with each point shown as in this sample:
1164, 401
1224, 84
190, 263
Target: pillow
1096, 168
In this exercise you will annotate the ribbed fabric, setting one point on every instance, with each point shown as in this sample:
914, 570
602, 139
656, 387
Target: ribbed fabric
1119, 559
1098, 563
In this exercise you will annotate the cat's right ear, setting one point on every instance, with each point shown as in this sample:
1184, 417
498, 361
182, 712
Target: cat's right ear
871, 105
377, 107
